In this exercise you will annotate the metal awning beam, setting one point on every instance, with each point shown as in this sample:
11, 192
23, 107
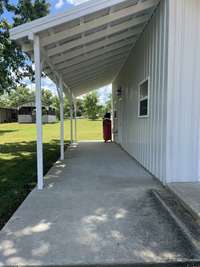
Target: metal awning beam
96, 61
94, 46
94, 37
123, 46
110, 18
78, 43
103, 73
94, 84
79, 74
51, 21
93, 73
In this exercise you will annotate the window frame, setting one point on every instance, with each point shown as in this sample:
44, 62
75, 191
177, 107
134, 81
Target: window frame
144, 98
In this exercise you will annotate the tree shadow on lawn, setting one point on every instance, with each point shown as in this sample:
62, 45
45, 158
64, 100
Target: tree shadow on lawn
18, 172
2, 132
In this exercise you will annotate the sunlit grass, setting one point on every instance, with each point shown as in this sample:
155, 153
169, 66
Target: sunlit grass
18, 157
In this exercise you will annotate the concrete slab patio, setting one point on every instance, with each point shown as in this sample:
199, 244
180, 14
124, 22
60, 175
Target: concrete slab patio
96, 207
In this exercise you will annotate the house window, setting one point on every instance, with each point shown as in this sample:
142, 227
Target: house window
143, 99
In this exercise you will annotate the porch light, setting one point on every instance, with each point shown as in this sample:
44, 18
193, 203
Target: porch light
119, 92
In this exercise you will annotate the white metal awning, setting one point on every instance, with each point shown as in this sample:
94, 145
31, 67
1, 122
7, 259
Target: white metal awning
87, 45
81, 49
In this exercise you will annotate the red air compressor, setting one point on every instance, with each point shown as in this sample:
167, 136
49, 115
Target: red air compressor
107, 128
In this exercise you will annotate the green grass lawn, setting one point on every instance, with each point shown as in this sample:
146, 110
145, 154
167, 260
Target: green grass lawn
18, 157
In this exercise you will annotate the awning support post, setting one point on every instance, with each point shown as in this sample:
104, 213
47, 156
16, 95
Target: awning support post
75, 121
71, 120
38, 100
62, 147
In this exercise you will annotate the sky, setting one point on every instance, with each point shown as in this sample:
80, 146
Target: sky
56, 7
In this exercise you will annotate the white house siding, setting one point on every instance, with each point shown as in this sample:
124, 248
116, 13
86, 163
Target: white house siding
145, 138
183, 146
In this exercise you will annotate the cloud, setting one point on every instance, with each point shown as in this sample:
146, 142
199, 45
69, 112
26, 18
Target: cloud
46, 83
104, 93
76, 2
59, 4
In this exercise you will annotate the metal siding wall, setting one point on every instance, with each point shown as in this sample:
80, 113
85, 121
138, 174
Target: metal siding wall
183, 145
145, 138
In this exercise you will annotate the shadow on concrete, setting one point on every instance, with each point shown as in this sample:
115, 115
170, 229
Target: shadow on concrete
93, 211
18, 172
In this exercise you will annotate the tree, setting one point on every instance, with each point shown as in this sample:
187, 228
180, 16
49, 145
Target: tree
79, 107
3, 5
108, 104
20, 96
47, 97
28, 10
14, 64
66, 107
4, 101
102, 111
91, 106
56, 105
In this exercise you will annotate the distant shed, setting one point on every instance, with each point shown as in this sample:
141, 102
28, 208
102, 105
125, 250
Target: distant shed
27, 113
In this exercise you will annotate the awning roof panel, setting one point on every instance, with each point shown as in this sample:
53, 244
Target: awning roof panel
88, 44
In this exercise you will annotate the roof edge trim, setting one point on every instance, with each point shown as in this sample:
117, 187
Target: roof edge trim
49, 21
